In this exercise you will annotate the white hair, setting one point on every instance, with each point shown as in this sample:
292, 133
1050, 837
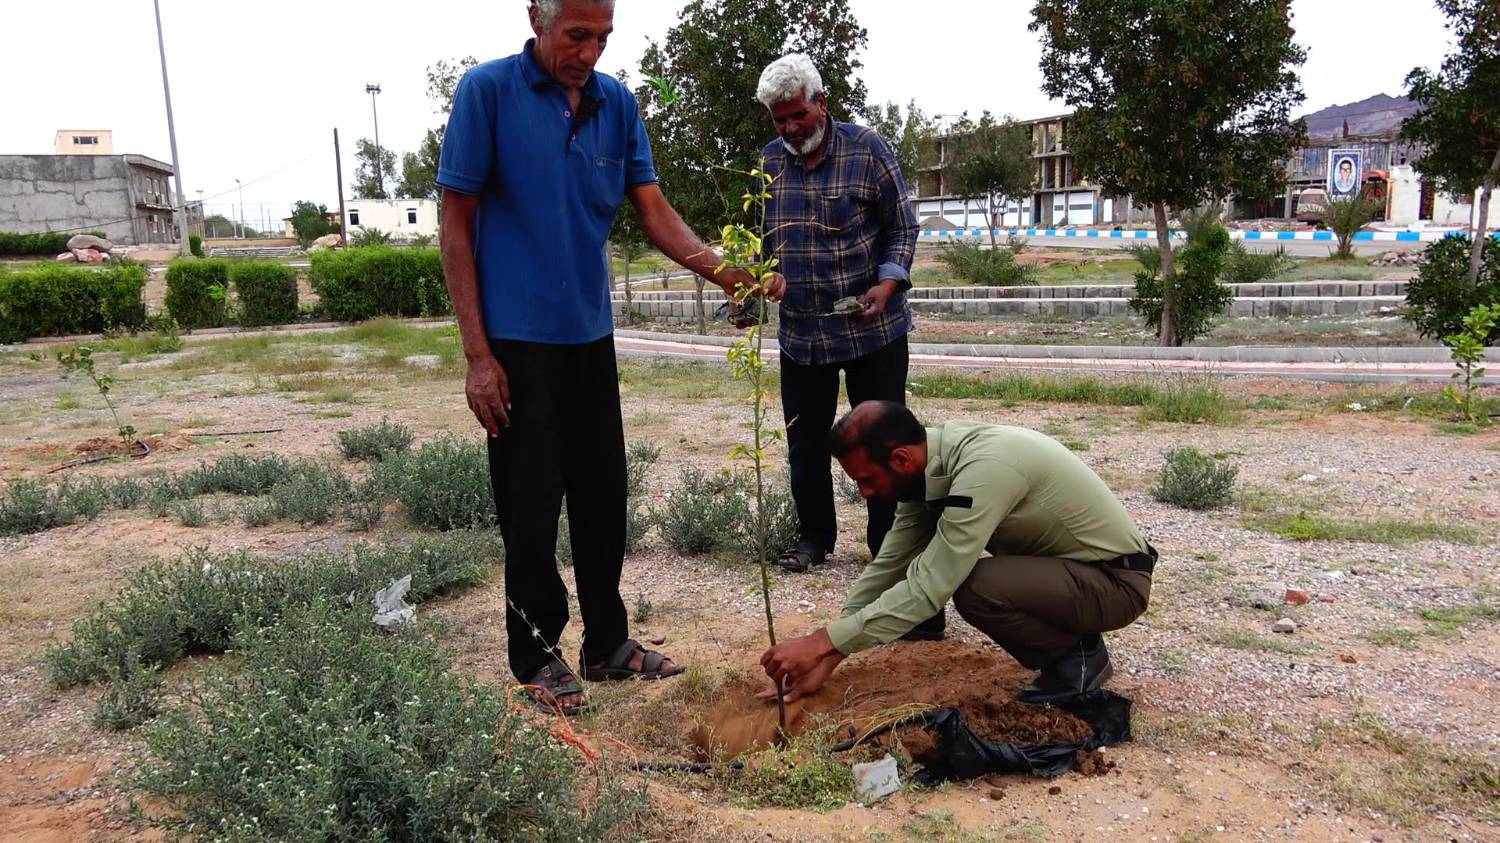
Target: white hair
788, 78
548, 10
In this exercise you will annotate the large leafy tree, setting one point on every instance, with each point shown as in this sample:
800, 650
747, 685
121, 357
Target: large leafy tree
309, 222
991, 160
909, 135
419, 169
1459, 124
1176, 102
714, 57
370, 176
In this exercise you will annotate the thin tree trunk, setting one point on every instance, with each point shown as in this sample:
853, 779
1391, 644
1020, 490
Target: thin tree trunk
1168, 330
1482, 221
993, 222
698, 284
629, 299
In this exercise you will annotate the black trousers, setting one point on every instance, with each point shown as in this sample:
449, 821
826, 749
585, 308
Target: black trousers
565, 439
809, 401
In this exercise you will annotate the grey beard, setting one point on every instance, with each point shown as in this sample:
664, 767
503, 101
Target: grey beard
808, 146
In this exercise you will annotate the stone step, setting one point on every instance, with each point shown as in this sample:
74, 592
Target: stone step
1300, 289
679, 311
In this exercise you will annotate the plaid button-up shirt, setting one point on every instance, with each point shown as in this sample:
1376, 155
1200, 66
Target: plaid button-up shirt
838, 230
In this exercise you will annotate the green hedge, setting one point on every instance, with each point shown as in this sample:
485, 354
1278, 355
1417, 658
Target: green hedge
198, 292
358, 284
53, 299
45, 243
1441, 296
266, 290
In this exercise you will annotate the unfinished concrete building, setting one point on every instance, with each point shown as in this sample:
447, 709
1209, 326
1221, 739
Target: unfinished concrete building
128, 197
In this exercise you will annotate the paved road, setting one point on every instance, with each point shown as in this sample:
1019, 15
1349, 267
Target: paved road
1297, 248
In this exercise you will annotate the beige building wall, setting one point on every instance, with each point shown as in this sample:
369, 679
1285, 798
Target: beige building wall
84, 142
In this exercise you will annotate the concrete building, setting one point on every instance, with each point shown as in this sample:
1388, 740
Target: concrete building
84, 142
403, 219
128, 197
1371, 127
1062, 197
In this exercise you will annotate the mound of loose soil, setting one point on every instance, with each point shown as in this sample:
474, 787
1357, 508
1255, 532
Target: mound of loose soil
871, 688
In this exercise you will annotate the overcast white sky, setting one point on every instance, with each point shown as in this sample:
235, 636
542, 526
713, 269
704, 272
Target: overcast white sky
259, 87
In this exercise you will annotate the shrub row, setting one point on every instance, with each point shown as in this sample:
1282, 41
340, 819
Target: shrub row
45, 243
52, 300
198, 292
359, 284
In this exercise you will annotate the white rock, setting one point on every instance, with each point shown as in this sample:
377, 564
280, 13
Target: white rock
1286, 625
423, 361
876, 780
1308, 478
89, 241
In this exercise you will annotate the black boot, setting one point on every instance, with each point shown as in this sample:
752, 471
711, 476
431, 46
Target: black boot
1082, 669
929, 630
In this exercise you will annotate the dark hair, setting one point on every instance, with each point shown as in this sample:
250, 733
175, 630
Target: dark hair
879, 427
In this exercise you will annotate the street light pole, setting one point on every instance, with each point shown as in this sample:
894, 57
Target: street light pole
166, 90
239, 223
372, 90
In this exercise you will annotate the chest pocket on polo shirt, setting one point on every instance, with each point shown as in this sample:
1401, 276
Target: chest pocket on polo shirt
609, 182
840, 214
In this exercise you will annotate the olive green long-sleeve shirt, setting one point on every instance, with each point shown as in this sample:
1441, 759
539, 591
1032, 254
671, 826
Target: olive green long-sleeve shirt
990, 490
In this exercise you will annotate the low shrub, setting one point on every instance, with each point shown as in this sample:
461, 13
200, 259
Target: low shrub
195, 246
1197, 294
1439, 298
132, 697
266, 292
442, 485
331, 730
704, 513
235, 474
43, 243
52, 300
193, 603
988, 267
31, 505
198, 292
375, 442
1193, 480
312, 493
1191, 401
359, 284
1243, 266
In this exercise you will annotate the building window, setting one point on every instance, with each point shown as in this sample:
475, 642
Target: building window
85, 140
354, 217
411, 216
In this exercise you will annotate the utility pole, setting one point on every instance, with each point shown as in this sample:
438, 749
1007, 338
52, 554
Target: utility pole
372, 90
338, 169
239, 223
166, 90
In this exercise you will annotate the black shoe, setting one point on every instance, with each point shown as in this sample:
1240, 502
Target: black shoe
1084, 668
930, 629
802, 556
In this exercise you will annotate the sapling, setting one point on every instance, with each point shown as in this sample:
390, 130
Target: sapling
1467, 349
742, 246
81, 359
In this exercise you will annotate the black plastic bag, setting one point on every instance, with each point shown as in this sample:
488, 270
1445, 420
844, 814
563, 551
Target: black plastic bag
961, 754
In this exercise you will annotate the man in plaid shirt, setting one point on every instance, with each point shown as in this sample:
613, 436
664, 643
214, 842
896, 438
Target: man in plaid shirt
841, 225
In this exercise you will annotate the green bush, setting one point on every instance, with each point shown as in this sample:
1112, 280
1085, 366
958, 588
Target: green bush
443, 485
266, 292
45, 243
198, 292
1346, 217
193, 603
132, 697
1147, 255
1193, 480
331, 730
235, 474
1439, 298
706, 512
312, 494
52, 300
370, 236
989, 267
359, 284
375, 442
195, 246
1197, 294
1243, 266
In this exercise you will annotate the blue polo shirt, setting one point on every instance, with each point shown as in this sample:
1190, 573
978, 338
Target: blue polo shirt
549, 182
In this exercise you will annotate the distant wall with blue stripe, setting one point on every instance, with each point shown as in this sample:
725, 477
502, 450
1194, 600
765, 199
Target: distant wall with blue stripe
1093, 233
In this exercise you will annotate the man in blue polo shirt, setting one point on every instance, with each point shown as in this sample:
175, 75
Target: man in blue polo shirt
539, 153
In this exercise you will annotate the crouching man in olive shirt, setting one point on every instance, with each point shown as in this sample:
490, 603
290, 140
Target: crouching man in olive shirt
1031, 546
